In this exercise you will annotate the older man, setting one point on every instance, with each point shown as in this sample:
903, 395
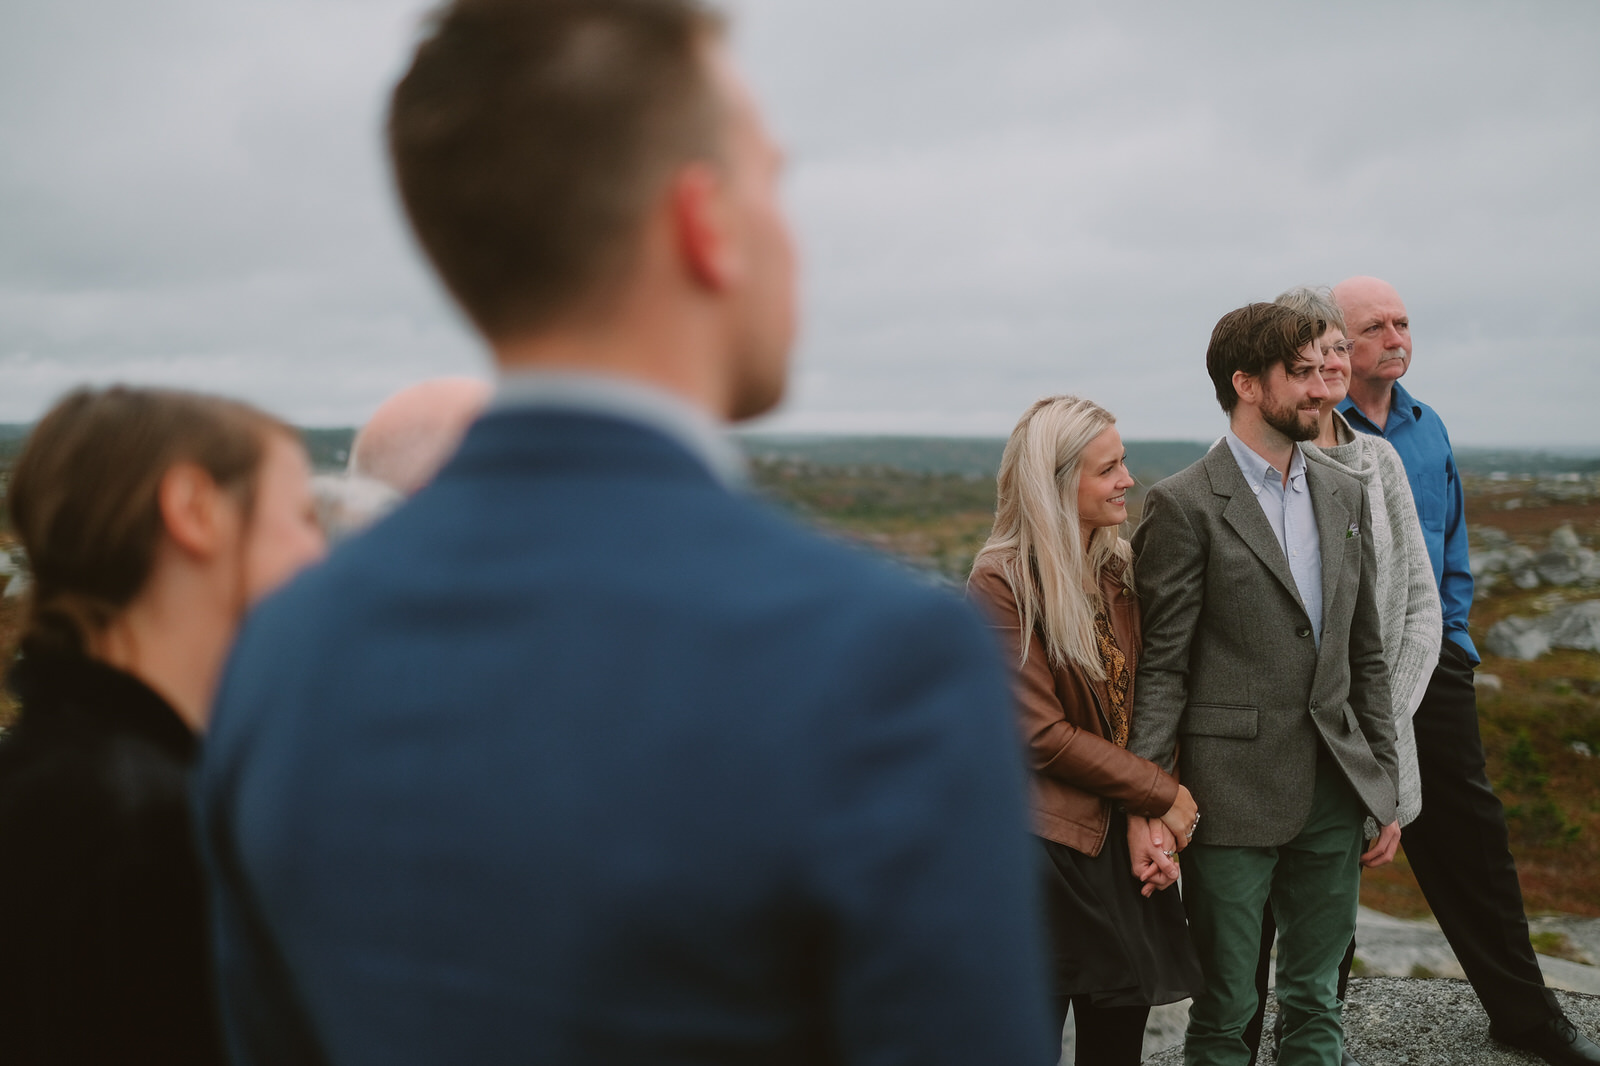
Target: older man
583, 755
1458, 847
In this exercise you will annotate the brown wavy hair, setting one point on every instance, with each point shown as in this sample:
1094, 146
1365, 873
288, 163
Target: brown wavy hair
1251, 339
84, 497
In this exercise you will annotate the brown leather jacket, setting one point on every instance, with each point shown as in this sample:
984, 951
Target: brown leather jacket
1078, 773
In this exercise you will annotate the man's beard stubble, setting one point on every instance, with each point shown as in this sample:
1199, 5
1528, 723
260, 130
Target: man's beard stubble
1287, 420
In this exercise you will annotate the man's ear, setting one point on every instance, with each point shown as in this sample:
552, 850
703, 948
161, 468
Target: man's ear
1248, 386
701, 221
191, 508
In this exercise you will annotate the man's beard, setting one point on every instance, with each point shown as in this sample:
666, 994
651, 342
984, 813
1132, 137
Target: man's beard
1287, 420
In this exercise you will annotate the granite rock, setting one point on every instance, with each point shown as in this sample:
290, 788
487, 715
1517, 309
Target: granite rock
1493, 538
1518, 637
1559, 568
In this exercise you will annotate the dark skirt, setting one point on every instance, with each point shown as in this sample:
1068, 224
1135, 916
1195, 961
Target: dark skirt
1107, 941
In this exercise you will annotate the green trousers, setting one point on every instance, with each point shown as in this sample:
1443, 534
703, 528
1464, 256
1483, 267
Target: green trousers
1314, 883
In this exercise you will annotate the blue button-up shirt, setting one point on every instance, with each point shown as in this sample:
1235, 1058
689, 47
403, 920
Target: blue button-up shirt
1292, 518
1424, 446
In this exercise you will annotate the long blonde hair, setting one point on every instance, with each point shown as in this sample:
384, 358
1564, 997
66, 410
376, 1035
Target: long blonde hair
1036, 540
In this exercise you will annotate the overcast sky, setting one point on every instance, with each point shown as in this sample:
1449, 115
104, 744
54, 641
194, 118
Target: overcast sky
995, 201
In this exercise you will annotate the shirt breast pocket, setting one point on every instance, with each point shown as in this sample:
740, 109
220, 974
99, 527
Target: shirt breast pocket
1433, 498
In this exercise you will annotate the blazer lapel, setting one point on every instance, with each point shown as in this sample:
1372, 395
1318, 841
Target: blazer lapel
1243, 512
1334, 522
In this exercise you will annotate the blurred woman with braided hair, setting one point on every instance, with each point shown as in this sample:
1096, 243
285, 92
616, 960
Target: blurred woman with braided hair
152, 519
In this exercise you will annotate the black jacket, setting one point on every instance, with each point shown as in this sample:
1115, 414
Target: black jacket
103, 953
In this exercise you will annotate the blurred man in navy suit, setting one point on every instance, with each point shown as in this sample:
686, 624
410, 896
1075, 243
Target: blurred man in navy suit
583, 756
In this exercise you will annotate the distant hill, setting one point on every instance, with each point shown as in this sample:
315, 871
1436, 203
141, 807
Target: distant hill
971, 456
1150, 461
12, 434
328, 448
1487, 461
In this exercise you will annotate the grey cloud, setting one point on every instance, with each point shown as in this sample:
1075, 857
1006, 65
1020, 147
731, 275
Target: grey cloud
994, 201
1079, 217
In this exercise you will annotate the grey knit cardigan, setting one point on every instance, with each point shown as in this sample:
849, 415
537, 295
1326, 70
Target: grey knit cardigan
1408, 599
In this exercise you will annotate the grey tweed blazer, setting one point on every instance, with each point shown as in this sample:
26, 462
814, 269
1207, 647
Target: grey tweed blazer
1232, 680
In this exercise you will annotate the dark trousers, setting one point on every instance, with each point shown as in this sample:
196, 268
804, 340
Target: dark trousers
1461, 855
1104, 1036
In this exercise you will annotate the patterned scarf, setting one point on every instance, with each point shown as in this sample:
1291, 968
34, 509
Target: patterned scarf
1118, 679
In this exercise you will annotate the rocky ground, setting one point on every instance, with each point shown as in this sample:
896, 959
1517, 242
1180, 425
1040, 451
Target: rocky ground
1564, 565
1433, 1022
1405, 1007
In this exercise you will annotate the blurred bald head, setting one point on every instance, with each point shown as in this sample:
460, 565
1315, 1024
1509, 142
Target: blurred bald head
412, 433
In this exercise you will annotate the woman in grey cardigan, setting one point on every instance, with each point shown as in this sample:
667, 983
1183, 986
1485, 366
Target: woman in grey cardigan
1408, 599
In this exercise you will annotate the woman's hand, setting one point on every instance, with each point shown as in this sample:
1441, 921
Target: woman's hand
1152, 856
1383, 849
1181, 819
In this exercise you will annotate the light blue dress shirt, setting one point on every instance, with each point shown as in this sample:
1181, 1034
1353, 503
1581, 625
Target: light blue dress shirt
1293, 521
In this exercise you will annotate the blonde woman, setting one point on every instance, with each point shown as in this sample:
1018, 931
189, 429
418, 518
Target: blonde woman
1056, 579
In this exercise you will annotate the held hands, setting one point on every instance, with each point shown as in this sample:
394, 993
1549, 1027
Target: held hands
1148, 844
1181, 820
1153, 842
1383, 848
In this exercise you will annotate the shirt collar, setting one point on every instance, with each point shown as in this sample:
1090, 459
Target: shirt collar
1401, 406
1257, 471
1403, 403
632, 401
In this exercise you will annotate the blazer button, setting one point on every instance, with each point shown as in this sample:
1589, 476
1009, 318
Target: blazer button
1303, 631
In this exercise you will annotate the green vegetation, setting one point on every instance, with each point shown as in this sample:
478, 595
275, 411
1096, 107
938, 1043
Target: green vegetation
1537, 819
936, 519
1148, 460
1557, 945
928, 501
935, 522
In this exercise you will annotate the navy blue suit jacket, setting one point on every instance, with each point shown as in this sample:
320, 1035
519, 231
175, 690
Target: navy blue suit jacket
581, 758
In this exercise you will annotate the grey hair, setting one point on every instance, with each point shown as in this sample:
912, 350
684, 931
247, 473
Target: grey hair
1037, 540
349, 503
1316, 301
